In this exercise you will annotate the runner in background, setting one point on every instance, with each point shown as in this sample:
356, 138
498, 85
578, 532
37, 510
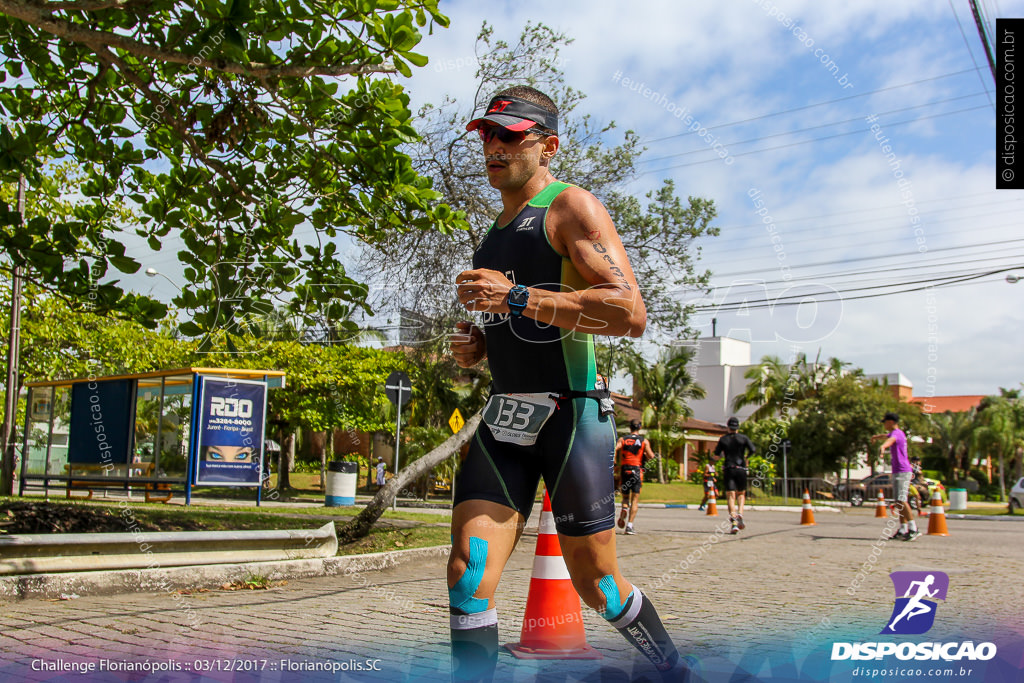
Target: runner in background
633, 452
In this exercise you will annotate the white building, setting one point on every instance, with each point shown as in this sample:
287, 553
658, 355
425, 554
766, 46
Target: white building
719, 365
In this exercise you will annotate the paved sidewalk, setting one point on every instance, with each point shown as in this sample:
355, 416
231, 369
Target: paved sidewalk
774, 596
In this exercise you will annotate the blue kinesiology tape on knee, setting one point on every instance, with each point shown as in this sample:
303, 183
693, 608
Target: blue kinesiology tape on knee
613, 602
461, 594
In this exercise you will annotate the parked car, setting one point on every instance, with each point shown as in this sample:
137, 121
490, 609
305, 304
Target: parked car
1017, 496
868, 488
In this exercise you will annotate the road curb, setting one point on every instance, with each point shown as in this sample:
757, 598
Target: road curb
985, 518
768, 508
70, 585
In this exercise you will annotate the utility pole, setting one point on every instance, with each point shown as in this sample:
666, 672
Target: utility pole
985, 44
13, 345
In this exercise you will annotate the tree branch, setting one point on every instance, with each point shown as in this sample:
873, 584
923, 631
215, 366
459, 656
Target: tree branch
41, 17
361, 523
110, 60
92, 6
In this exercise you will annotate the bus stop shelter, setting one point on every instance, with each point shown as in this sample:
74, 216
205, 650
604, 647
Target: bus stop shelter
155, 431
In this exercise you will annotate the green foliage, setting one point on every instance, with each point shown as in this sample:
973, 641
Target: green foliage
229, 125
669, 466
662, 390
327, 386
61, 341
417, 442
776, 386
833, 428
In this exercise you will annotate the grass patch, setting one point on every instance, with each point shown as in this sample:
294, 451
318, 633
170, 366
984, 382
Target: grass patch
33, 516
253, 582
1002, 511
382, 539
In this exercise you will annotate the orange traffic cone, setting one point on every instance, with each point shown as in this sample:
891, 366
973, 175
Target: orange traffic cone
807, 513
712, 505
553, 624
881, 510
937, 517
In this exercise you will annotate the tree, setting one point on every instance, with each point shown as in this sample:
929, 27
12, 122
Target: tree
228, 125
774, 385
362, 523
951, 437
999, 431
771, 387
832, 429
660, 237
61, 342
663, 389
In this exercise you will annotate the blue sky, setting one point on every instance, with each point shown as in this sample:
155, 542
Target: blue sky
842, 201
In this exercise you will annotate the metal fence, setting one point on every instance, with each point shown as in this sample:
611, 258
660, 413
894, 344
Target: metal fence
792, 489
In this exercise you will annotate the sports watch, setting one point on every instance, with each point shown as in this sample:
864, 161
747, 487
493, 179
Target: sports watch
517, 298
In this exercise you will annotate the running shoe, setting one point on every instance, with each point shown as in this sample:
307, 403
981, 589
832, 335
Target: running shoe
911, 535
630, 531
622, 519
739, 522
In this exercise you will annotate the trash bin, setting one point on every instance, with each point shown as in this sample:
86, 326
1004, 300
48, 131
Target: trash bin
958, 499
341, 483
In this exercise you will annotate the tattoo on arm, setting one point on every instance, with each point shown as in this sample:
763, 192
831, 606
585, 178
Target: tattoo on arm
616, 271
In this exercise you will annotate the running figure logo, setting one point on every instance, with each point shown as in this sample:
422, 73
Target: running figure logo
916, 592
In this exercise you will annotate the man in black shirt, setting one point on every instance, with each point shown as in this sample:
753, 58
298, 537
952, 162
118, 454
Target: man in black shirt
735, 447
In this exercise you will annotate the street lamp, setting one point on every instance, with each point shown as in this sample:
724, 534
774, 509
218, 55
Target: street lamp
153, 272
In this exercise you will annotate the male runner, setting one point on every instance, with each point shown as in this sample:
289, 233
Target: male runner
550, 272
896, 443
633, 452
735, 447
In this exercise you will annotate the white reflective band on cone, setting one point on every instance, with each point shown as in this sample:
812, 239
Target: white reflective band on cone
547, 523
549, 567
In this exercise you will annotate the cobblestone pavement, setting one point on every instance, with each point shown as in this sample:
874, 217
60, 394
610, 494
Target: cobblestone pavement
768, 602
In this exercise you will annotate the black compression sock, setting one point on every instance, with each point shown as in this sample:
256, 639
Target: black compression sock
640, 624
474, 645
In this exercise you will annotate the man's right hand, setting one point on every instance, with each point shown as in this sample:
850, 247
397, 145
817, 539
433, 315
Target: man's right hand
468, 344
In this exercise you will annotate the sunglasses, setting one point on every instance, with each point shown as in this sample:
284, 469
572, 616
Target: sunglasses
488, 133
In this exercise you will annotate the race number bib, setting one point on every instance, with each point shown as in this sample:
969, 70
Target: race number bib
518, 418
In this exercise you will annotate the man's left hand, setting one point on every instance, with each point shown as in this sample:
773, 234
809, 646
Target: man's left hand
483, 290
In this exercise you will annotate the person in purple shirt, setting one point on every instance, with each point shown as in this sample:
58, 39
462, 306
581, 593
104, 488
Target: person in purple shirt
902, 472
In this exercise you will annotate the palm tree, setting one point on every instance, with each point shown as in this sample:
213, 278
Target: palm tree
663, 389
774, 384
768, 388
952, 436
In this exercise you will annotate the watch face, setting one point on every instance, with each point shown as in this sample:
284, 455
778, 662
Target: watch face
518, 296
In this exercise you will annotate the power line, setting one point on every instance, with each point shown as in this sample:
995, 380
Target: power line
987, 193
765, 303
885, 206
877, 271
883, 256
897, 223
807, 142
823, 125
967, 44
818, 104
